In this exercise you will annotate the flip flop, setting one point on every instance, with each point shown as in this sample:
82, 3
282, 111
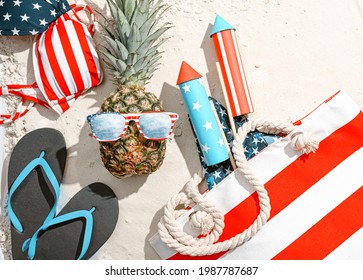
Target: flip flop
80, 229
35, 172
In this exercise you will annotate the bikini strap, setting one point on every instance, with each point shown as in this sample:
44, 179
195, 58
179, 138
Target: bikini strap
30, 94
75, 8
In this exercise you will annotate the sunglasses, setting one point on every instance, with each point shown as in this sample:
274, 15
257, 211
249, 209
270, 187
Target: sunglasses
110, 126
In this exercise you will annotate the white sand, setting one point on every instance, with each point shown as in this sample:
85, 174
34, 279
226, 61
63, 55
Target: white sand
296, 54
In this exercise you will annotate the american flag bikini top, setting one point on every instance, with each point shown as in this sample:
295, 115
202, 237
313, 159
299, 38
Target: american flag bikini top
29, 17
65, 63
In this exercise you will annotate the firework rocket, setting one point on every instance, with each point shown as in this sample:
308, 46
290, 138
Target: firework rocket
229, 58
201, 114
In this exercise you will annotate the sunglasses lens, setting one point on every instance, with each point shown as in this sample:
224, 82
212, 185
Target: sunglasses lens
155, 125
108, 126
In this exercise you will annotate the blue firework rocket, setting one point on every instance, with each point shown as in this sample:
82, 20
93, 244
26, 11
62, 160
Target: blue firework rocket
201, 115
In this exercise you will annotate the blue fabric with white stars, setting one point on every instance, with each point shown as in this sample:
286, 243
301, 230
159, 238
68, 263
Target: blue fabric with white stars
253, 144
29, 17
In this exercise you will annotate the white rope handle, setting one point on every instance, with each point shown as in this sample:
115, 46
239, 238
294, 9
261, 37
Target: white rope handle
207, 217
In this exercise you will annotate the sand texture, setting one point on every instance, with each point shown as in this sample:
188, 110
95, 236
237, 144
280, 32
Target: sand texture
296, 54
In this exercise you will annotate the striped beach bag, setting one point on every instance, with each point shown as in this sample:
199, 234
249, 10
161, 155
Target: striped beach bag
310, 206
65, 63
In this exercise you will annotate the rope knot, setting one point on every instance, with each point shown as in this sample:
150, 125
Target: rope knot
202, 221
304, 142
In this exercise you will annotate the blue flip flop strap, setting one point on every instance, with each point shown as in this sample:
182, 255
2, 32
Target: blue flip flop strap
31, 243
23, 174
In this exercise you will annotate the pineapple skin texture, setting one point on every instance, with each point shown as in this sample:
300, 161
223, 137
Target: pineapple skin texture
132, 154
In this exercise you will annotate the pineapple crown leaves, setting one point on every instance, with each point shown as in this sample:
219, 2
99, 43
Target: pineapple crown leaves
133, 40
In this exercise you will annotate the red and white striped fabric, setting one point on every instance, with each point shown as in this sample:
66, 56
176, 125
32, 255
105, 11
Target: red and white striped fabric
30, 93
316, 199
229, 58
65, 62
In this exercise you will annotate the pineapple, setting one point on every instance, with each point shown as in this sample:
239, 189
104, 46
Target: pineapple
131, 55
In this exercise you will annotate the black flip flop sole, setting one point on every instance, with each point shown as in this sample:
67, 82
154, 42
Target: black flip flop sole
35, 197
64, 241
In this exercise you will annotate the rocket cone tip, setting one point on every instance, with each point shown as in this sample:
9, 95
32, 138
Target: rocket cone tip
187, 73
220, 24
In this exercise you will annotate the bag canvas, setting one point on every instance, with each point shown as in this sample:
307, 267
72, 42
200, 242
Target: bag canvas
316, 199
65, 63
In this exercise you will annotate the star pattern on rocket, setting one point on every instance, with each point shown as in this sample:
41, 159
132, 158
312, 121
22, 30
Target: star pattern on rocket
186, 88
29, 17
254, 143
208, 125
197, 106
202, 118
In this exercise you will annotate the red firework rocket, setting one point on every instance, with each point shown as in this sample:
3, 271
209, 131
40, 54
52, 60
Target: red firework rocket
229, 58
